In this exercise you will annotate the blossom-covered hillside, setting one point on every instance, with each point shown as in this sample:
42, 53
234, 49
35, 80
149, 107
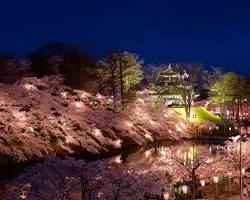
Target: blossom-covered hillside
43, 116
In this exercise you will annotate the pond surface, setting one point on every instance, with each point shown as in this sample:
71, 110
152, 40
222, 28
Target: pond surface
157, 156
147, 157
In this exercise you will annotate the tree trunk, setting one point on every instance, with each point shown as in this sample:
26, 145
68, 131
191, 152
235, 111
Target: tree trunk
84, 190
194, 181
113, 86
222, 111
121, 81
238, 110
233, 108
187, 110
240, 107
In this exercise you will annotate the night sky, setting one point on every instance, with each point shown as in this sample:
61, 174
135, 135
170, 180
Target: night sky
213, 32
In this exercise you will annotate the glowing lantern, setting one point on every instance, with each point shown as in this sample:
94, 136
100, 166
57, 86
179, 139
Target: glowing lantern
216, 179
203, 182
184, 189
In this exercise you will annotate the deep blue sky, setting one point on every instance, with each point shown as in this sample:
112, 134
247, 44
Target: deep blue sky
214, 32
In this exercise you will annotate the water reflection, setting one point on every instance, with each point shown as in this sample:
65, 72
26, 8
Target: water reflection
192, 164
154, 157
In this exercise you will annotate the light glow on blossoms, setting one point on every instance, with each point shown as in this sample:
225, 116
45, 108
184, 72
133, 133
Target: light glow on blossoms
64, 94
98, 177
31, 129
235, 138
165, 196
69, 139
110, 100
2, 101
129, 124
164, 151
118, 143
23, 196
99, 194
79, 104
117, 159
147, 135
83, 95
97, 132
141, 100
229, 174
152, 122
148, 153
19, 116
180, 127
99, 96
63, 121
28, 86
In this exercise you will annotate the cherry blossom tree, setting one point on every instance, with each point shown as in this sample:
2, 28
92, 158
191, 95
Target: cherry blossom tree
56, 179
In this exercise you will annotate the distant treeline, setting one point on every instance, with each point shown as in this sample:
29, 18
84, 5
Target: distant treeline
122, 73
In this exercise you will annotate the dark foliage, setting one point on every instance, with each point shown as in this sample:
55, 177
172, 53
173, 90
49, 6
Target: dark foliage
40, 64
